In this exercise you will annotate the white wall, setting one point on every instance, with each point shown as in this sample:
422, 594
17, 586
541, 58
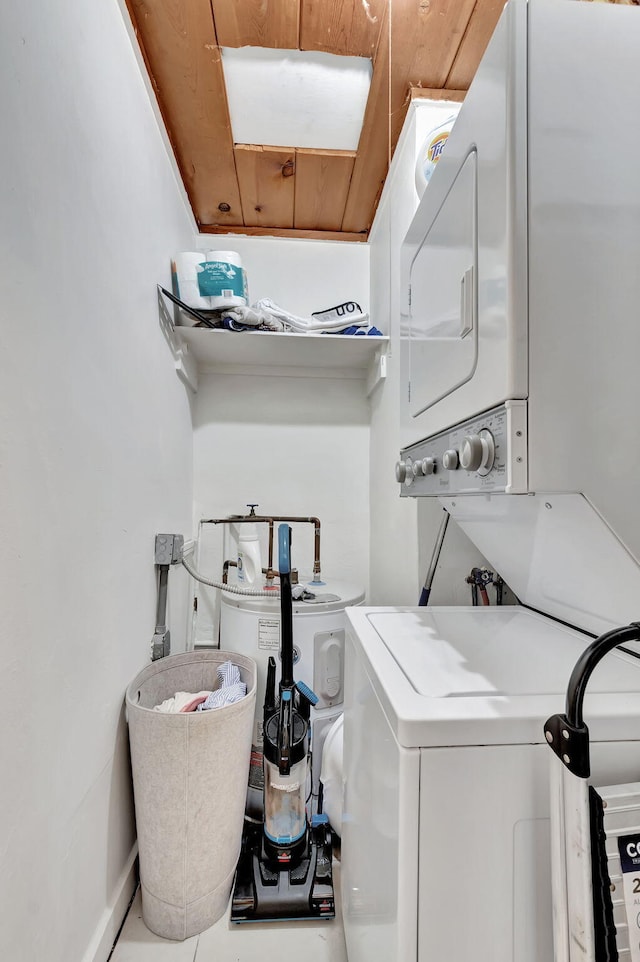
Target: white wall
404, 530
290, 440
95, 458
301, 276
287, 444
96, 452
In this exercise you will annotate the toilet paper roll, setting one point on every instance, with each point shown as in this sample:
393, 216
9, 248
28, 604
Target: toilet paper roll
188, 268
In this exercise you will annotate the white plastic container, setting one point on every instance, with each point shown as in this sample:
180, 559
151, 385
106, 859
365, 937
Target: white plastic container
249, 559
431, 151
331, 775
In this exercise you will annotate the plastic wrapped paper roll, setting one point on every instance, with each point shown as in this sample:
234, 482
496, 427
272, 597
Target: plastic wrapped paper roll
187, 270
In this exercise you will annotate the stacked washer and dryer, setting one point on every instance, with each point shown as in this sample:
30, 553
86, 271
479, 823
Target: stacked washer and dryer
519, 352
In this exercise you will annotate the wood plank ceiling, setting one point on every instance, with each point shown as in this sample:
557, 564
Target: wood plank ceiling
417, 47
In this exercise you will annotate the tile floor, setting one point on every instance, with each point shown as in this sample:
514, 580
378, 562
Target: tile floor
223, 942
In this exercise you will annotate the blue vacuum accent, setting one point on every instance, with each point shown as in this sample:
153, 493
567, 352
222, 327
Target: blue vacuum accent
284, 560
310, 695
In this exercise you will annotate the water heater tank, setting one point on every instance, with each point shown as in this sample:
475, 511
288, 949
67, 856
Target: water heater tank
251, 626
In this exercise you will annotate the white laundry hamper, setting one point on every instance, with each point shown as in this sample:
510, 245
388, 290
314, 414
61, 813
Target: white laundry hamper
189, 780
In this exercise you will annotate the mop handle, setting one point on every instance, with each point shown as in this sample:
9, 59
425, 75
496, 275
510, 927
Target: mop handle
435, 557
286, 611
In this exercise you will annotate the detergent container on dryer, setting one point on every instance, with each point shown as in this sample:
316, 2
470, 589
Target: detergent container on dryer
431, 151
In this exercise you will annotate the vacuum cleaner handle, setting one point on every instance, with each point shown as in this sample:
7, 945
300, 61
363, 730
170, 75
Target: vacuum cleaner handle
567, 734
286, 607
285, 732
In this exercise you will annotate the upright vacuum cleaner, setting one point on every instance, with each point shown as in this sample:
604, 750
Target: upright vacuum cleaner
284, 870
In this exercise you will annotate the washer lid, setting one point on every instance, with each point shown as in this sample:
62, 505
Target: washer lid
557, 554
469, 676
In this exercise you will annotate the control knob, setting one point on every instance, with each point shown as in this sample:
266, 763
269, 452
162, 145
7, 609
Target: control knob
405, 472
401, 471
477, 452
424, 467
450, 459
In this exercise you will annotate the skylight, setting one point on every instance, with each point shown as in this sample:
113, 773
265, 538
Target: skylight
296, 98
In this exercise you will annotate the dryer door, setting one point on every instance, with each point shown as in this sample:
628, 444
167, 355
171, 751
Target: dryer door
443, 300
464, 337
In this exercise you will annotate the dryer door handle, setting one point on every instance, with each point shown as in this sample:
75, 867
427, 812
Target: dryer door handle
467, 302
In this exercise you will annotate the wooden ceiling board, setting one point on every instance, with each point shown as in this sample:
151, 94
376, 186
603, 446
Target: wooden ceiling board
474, 43
345, 27
425, 36
330, 235
257, 23
321, 188
428, 93
266, 176
179, 45
373, 156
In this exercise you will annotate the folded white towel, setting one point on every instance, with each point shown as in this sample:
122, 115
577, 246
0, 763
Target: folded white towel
180, 701
309, 325
253, 317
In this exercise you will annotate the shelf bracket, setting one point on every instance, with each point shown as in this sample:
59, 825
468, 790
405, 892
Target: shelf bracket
377, 371
186, 367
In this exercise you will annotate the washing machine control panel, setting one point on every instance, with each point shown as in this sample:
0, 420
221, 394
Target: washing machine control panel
485, 454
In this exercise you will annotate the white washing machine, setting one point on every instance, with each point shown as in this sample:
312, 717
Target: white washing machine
445, 844
519, 402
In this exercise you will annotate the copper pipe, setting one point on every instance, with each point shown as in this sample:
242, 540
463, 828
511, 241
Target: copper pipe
271, 546
270, 574
251, 518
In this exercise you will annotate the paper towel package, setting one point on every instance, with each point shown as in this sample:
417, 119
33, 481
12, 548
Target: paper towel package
209, 281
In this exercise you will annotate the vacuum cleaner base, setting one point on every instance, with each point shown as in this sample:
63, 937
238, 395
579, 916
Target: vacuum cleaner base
268, 891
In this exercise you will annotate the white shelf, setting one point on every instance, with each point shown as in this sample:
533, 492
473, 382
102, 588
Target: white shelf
332, 352
197, 349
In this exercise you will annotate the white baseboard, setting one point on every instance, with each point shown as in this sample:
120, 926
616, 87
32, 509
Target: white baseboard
112, 918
